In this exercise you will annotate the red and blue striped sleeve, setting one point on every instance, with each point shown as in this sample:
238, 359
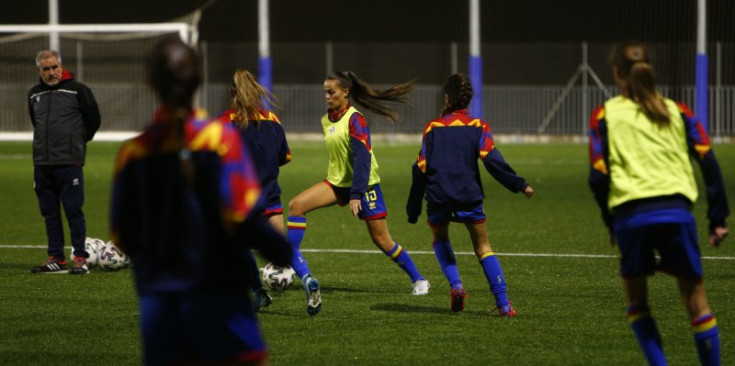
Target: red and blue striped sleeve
701, 148
599, 178
361, 152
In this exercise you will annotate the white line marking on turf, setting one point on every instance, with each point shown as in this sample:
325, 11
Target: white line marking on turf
373, 251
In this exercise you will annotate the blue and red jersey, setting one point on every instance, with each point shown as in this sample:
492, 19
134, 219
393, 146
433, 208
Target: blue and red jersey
266, 140
446, 169
182, 206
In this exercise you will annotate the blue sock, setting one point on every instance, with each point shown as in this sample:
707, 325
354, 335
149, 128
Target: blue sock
707, 338
644, 327
296, 230
494, 275
404, 261
447, 261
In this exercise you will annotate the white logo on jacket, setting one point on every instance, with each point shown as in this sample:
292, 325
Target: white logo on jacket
75, 182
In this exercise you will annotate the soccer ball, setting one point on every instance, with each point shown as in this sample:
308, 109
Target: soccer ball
94, 247
111, 258
277, 278
126, 258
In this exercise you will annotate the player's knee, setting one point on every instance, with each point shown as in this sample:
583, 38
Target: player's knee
295, 207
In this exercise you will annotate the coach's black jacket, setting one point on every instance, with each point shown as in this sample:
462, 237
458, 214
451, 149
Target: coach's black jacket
64, 117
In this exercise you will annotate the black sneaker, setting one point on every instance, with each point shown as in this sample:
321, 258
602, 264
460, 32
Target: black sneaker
51, 266
79, 266
261, 299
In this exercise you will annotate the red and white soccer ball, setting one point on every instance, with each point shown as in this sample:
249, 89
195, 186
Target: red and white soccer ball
112, 258
277, 278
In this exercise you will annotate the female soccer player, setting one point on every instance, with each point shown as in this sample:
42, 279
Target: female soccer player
643, 181
352, 176
182, 205
446, 172
262, 132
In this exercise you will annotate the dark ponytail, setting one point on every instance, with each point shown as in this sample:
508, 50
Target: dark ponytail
371, 99
174, 72
637, 79
457, 93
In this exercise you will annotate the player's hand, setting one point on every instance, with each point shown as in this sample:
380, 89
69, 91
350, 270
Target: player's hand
355, 207
528, 191
717, 236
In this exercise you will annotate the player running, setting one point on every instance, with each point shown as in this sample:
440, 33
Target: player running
642, 178
352, 176
446, 172
262, 132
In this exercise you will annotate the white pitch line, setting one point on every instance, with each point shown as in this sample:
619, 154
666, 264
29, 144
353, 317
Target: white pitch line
366, 251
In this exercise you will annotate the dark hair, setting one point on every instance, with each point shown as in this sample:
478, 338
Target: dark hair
174, 72
458, 93
637, 78
373, 100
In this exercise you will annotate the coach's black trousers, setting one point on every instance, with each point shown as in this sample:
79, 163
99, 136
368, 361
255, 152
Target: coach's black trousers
55, 186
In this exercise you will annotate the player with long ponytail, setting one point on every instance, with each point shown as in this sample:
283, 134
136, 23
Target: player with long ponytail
447, 175
641, 147
352, 176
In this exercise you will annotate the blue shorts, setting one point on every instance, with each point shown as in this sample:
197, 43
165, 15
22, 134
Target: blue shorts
373, 204
440, 216
199, 327
272, 208
672, 234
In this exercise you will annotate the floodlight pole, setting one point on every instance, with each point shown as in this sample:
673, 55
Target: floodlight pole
265, 65
53, 19
701, 104
475, 59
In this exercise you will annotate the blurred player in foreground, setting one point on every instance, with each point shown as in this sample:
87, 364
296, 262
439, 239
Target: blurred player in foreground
263, 134
447, 173
643, 181
352, 176
182, 206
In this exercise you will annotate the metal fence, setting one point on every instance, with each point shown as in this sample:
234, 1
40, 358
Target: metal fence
509, 109
545, 88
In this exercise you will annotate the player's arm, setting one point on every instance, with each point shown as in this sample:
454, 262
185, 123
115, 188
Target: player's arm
701, 149
496, 165
419, 180
30, 109
360, 143
90, 111
599, 177
284, 152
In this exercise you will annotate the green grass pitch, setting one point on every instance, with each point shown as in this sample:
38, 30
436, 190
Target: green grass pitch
570, 308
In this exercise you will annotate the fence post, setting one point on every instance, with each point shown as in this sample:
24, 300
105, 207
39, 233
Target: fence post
585, 90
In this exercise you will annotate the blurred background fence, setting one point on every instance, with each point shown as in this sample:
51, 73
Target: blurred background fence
529, 88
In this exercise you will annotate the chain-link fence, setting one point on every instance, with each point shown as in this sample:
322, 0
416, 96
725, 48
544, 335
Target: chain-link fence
541, 88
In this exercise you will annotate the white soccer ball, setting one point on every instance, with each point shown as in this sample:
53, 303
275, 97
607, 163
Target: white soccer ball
277, 278
112, 258
94, 247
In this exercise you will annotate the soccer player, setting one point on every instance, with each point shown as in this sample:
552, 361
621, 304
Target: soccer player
265, 137
643, 181
182, 206
446, 172
352, 176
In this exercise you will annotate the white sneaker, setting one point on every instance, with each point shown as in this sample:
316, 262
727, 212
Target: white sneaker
313, 295
421, 287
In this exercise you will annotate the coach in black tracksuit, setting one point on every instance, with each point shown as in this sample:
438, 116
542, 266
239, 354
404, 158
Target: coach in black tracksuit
65, 117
